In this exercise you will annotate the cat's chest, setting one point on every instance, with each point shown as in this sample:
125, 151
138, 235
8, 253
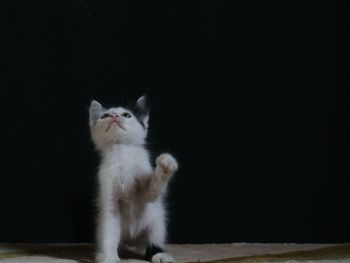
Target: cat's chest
125, 162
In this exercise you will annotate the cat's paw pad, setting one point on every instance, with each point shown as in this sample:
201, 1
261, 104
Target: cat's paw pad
163, 258
167, 163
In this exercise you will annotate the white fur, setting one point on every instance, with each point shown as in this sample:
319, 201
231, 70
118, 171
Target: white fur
163, 258
130, 196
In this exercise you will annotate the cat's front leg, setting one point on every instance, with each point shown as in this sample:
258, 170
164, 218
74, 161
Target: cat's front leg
108, 236
166, 167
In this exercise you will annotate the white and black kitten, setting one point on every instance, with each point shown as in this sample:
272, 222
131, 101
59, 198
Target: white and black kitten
130, 195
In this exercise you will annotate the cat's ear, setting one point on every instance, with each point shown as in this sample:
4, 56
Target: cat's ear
95, 112
142, 102
142, 111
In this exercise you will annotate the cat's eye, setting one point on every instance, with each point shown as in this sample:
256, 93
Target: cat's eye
106, 115
126, 115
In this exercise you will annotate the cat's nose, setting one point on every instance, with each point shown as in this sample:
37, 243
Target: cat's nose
115, 116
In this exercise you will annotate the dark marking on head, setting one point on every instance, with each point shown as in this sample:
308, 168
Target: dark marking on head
105, 115
140, 110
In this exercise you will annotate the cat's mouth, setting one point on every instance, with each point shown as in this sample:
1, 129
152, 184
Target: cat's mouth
114, 122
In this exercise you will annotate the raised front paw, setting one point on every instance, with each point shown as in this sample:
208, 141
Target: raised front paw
167, 164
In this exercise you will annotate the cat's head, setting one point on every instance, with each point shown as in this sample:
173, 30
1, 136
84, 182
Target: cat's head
118, 125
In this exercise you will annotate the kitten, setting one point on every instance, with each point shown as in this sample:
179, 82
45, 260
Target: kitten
130, 196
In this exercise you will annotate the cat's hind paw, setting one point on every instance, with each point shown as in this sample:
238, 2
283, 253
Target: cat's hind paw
163, 258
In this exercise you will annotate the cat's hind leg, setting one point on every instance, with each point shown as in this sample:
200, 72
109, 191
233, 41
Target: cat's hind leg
156, 254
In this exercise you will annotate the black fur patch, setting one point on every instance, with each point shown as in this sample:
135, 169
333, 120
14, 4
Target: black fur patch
140, 116
151, 250
140, 112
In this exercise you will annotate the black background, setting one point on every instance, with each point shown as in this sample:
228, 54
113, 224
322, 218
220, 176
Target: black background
251, 97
